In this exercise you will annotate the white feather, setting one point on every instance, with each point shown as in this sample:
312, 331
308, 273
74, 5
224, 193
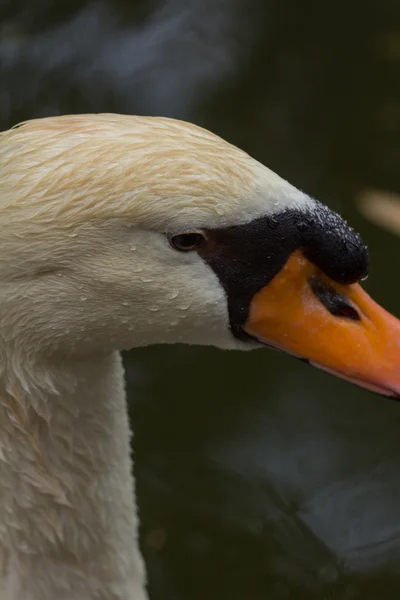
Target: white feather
86, 270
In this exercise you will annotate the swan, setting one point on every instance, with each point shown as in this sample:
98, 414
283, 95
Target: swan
121, 231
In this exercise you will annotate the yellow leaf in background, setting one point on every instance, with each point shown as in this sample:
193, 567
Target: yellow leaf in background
382, 208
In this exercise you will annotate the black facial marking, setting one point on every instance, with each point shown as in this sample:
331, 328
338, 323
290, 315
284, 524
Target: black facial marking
336, 303
334, 246
247, 257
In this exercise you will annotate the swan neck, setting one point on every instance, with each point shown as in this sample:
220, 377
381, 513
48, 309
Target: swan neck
68, 519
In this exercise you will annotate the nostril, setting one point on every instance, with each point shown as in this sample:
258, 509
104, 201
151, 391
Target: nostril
337, 304
347, 311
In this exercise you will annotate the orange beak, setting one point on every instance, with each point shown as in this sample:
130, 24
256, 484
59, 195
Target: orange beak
338, 328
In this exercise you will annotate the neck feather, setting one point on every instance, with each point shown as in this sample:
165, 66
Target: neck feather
68, 522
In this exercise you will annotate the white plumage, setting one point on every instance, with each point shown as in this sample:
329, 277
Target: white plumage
86, 270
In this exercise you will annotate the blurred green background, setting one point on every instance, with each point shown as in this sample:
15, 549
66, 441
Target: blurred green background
258, 477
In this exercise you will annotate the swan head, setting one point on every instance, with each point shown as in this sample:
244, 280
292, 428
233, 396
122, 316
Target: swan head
120, 231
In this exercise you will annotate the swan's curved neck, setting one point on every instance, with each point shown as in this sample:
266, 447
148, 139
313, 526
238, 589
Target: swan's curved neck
68, 524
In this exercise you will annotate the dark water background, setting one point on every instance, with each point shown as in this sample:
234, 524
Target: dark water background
258, 477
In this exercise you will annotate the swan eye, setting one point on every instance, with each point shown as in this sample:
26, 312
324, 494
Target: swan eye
186, 242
